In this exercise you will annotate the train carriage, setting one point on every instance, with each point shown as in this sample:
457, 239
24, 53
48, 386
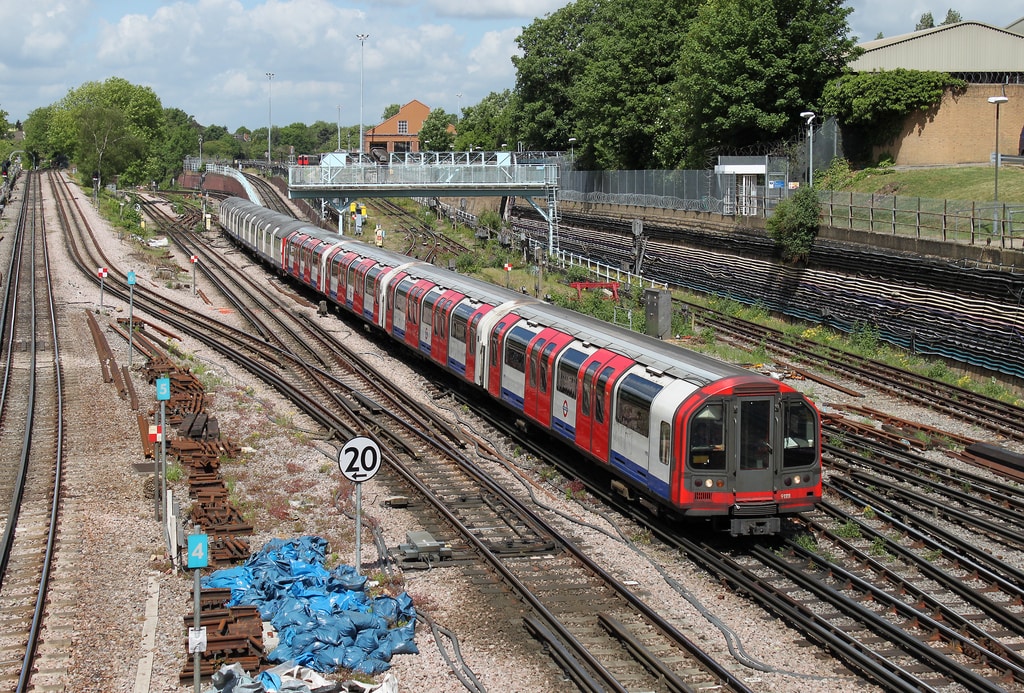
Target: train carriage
677, 431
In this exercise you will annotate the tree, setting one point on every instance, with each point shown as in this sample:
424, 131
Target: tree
4, 125
952, 17
553, 57
391, 110
793, 224
436, 134
749, 67
926, 22
488, 124
105, 131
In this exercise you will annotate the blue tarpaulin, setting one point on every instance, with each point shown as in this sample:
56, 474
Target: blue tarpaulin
324, 619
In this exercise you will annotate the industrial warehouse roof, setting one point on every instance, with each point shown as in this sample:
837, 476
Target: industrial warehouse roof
973, 51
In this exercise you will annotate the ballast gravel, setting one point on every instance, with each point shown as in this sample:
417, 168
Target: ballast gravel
117, 608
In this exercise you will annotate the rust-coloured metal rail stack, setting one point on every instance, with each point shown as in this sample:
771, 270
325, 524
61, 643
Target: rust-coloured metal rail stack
233, 634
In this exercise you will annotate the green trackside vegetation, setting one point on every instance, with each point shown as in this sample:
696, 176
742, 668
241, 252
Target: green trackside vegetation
975, 182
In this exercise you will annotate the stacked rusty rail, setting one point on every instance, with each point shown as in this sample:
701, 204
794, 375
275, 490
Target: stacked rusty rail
233, 634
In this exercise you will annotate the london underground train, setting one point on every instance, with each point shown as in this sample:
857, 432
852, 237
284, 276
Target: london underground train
679, 432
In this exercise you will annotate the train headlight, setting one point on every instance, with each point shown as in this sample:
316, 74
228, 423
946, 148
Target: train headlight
788, 481
697, 483
721, 483
796, 479
709, 483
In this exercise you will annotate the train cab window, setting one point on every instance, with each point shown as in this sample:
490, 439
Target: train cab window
494, 343
799, 445
755, 433
707, 437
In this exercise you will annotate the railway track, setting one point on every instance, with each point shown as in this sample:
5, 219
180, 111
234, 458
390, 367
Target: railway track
31, 441
477, 516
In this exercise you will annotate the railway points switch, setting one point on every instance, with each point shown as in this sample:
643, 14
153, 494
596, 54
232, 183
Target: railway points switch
423, 546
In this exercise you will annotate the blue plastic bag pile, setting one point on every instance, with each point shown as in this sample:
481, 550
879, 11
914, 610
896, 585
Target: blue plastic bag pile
324, 619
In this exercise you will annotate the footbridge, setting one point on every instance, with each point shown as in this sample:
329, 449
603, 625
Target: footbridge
342, 178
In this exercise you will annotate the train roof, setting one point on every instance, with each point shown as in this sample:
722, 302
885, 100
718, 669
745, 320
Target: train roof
652, 353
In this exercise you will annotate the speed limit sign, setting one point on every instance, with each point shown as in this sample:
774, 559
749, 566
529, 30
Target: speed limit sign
359, 459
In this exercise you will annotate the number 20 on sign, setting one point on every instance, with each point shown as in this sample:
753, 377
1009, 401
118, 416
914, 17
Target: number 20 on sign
359, 459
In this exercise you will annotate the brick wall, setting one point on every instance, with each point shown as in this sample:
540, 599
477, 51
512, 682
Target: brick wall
961, 130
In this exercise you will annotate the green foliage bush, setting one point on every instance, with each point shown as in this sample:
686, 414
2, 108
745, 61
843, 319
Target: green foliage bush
794, 224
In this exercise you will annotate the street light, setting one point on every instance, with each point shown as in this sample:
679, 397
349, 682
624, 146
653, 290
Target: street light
809, 115
339, 127
270, 120
459, 112
572, 151
200, 152
362, 43
998, 101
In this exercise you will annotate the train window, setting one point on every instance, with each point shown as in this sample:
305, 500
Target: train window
755, 433
534, 359
665, 444
588, 387
515, 348
545, 360
707, 437
494, 343
800, 446
568, 371
459, 329
633, 407
602, 384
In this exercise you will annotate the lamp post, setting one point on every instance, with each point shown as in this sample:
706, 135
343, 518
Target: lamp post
362, 43
572, 151
339, 127
809, 115
270, 120
200, 153
458, 113
998, 101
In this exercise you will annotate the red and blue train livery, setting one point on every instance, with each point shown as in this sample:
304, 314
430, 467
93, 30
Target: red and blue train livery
682, 433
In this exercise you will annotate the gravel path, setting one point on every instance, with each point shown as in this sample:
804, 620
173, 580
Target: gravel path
113, 575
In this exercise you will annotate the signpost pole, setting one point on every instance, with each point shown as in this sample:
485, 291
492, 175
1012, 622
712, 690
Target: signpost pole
163, 393
131, 307
198, 558
195, 259
359, 459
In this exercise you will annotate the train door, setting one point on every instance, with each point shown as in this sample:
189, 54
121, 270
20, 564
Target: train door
475, 344
348, 271
371, 301
495, 352
357, 278
753, 420
566, 394
427, 306
540, 364
442, 326
332, 267
514, 364
458, 352
600, 416
398, 293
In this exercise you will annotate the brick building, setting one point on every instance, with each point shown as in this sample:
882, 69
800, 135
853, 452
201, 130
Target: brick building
962, 128
399, 133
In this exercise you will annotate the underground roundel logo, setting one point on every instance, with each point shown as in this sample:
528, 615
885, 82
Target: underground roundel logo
565, 407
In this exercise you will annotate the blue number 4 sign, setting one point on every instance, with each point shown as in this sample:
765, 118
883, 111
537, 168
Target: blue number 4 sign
198, 550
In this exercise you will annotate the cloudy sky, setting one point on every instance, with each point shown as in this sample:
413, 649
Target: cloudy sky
210, 58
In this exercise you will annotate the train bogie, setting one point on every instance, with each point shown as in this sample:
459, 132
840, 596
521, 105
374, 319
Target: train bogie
676, 431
